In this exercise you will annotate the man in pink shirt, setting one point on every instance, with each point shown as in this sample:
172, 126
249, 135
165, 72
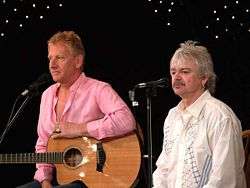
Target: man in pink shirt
76, 105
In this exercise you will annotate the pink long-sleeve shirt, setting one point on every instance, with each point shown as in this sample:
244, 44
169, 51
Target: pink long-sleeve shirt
92, 102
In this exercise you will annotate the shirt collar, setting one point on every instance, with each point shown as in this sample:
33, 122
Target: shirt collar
81, 79
196, 107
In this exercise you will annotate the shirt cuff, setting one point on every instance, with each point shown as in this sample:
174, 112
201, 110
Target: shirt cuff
43, 173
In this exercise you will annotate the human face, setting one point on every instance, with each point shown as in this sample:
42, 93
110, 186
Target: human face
186, 81
63, 64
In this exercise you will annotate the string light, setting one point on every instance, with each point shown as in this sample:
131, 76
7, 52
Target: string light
218, 20
21, 14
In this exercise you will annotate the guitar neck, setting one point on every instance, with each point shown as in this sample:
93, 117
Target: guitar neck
50, 157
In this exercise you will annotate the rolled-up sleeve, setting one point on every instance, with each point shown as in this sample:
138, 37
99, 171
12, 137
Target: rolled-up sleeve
118, 118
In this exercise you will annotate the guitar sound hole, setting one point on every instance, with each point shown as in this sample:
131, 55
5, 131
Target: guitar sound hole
72, 157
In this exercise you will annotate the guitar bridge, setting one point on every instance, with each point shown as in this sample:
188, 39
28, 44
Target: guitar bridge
100, 157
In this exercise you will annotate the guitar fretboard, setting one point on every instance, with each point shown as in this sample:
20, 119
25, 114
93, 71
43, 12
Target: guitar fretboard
50, 157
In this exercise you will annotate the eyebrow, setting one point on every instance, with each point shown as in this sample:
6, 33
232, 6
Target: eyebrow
185, 68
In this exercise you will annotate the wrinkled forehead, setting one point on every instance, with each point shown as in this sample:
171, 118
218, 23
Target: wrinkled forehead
182, 61
59, 47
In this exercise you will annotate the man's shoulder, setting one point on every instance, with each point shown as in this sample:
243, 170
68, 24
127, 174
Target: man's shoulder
96, 83
217, 106
172, 110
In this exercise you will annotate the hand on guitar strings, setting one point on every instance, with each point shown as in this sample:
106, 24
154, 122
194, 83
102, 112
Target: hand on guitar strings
70, 130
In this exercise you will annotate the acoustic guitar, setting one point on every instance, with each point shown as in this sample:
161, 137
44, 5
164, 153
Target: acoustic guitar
113, 162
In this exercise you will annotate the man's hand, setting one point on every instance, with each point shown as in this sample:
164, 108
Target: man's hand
46, 184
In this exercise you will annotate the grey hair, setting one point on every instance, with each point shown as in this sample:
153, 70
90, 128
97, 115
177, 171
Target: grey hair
202, 58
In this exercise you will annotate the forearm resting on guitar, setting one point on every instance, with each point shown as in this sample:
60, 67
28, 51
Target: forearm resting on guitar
71, 130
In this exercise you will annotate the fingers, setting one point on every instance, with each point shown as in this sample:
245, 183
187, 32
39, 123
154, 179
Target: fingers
57, 131
56, 135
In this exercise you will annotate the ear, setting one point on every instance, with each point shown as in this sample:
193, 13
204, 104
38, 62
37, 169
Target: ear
79, 61
204, 80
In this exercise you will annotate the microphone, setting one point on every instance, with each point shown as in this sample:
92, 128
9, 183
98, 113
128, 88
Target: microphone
42, 79
163, 82
131, 94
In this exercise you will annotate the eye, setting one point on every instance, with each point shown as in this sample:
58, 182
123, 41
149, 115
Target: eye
185, 71
172, 73
60, 58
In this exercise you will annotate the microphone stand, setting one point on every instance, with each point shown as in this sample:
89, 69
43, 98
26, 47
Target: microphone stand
29, 93
150, 92
11, 121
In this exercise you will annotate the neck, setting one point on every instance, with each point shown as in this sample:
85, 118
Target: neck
70, 82
188, 100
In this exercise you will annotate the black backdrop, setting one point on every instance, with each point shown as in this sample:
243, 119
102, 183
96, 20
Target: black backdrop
125, 44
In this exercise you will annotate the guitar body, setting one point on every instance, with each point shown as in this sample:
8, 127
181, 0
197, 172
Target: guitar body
113, 162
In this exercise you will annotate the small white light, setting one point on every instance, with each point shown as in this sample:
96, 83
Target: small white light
168, 24
156, 10
207, 26
15, 9
237, 2
172, 3
160, 2
226, 29
26, 16
20, 25
2, 34
47, 7
41, 17
217, 19
247, 10
214, 11
216, 36
6, 21
4, 1
60, 5
169, 10
149, 0
225, 6
233, 17
34, 5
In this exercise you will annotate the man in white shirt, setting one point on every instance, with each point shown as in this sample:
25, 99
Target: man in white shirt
202, 145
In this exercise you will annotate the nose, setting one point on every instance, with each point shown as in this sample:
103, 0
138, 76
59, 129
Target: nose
176, 76
52, 63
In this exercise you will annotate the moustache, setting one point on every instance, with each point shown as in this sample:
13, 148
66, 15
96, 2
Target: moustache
178, 83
